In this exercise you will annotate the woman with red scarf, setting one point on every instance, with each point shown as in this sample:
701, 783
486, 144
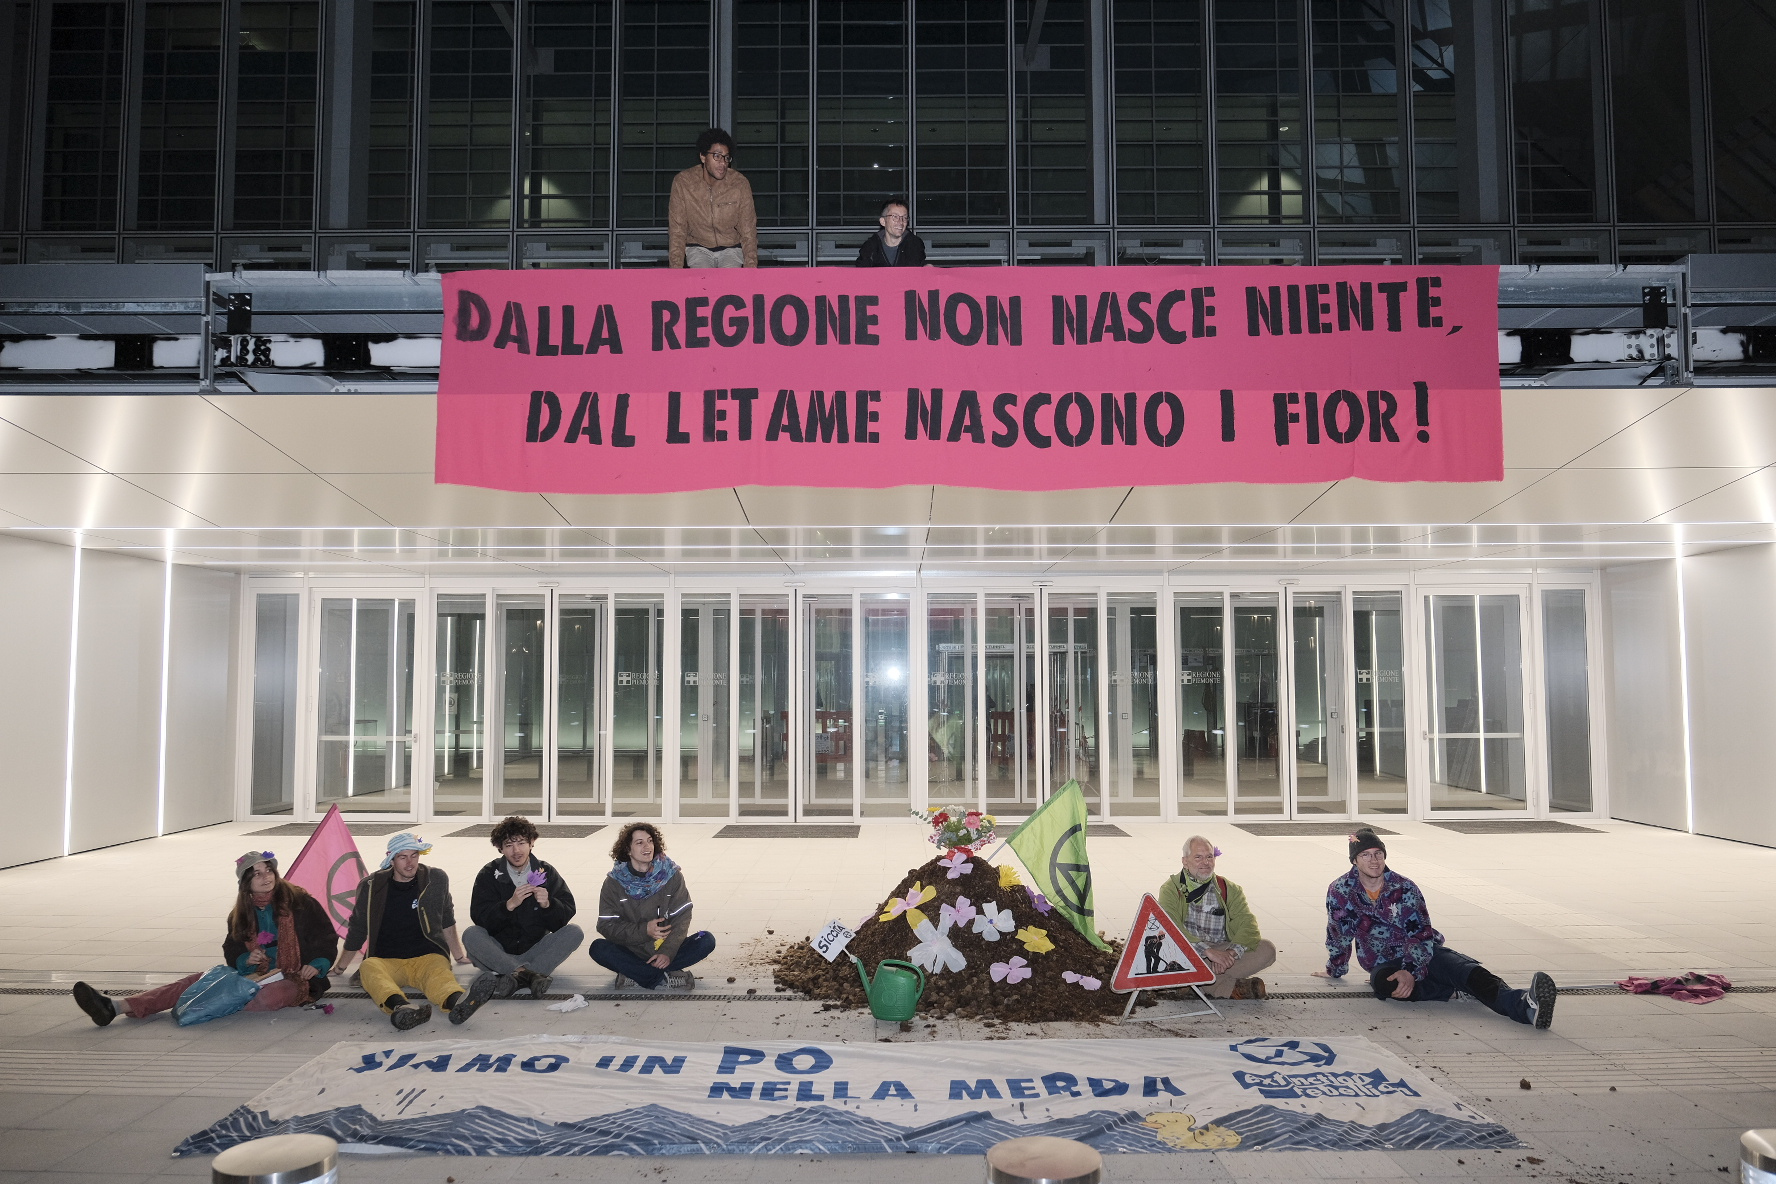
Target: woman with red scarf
274, 925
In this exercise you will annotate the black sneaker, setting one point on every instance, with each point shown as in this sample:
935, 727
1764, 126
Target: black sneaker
96, 1005
540, 984
1542, 993
410, 1015
508, 983
479, 992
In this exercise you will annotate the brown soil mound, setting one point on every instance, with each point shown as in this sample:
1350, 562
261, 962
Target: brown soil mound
969, 993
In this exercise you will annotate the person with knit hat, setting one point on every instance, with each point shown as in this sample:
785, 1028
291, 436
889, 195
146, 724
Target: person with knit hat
1385, 916
274, 926
404, 922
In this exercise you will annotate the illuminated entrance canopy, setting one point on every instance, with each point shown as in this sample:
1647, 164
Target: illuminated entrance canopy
1024, 378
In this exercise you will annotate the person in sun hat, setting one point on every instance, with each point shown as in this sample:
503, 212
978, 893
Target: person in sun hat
405, 923
274, 925
1385, 915
522, 908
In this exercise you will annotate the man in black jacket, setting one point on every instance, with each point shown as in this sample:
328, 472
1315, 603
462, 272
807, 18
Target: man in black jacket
521, 908
894, 245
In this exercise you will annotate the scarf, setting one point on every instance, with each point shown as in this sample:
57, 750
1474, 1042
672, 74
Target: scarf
289, 949
642, 887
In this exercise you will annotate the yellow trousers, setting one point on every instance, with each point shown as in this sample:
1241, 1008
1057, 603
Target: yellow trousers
431, 973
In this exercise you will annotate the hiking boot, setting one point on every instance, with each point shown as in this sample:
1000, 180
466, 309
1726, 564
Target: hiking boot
540, 984
506, 984
410, 1015
479, 992
1542, 993
1249, 988
96, 1005
682, 979
624, 983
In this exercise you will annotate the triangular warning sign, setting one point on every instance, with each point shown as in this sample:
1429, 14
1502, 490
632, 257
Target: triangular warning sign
1157, 954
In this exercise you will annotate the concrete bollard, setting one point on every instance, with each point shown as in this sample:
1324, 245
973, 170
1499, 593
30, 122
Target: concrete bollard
1040, 1159
1757, 1157
279, 1159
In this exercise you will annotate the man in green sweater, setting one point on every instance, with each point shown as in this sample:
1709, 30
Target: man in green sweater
1214, 915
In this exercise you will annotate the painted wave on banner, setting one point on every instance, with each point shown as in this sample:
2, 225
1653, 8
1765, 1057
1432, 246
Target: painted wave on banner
658, 1130
608, 1095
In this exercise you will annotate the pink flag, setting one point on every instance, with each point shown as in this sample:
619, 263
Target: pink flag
330, 868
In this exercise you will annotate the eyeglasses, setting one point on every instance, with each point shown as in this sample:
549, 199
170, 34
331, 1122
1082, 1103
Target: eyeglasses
718, 157
894, 217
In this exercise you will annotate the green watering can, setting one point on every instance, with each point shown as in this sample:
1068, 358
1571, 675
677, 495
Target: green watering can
896, 992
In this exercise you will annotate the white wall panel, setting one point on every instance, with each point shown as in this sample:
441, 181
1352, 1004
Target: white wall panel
200, 698
36, 588
1646, 754
117, 700
1732, 640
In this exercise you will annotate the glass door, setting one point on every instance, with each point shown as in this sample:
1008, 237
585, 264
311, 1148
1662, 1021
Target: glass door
364, 705
1073, 695
1131, 764
520, 644
1474, 679
829, 760
952, 638
1258, 757
886, 620
459, 706
764, 707
636, 730
1321, 773
1202, 707
1009, 667
579, 705
1379, 707
705, 625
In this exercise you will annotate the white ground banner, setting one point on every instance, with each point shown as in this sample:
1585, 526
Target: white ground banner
606, 1095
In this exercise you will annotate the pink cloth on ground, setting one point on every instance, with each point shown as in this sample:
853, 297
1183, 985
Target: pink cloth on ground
1694, 987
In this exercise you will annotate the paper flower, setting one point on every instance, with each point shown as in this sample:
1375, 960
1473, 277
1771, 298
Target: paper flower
1014, 971
536, 879
1218, 853
960, 913
326, 1009
1086, 981
1035, 940
934, 952
957, 862
1038, 901
266, 938
1008, 877
909, 904
993, 921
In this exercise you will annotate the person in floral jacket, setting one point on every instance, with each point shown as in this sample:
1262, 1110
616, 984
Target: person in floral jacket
1385, 915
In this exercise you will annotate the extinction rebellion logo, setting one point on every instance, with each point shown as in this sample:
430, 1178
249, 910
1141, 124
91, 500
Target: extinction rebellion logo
342, 886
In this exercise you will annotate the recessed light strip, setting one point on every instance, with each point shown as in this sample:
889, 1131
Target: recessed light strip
73, 670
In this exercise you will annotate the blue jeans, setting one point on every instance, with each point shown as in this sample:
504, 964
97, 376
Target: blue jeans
619, 960
1451, 971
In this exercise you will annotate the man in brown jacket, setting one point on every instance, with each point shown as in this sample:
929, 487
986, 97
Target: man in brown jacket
711, 220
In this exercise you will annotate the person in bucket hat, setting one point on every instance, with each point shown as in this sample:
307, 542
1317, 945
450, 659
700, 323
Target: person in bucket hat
405, 924
274, 925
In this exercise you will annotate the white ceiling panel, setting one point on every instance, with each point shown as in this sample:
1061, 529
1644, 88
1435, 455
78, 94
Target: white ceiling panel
952, 506
261, 499
1221, 502
22, 452
1750, 499
87, 500
413, 499
1732, 427
146, 433
1609, 495
1545, 429
1357, 500
704, 507
344, 433
901, 505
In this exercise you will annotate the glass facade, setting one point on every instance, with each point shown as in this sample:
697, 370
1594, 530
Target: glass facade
1027, 132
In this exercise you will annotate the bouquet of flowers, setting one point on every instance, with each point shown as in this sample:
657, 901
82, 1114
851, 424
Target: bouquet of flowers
955, 829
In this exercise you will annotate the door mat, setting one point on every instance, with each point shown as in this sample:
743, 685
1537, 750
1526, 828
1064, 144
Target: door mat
1516, 826
545, 830
1263, 829
787, 831
612, 1095
1104, 830
358, 829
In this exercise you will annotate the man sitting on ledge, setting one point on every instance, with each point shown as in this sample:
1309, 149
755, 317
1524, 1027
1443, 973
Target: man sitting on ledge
1214, 915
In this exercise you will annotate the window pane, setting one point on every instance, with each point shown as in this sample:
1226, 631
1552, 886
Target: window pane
961, 116
1257, 751
1317, 631
635, 699
1379, 703
274, 116
181, 78
1073, 695
885, 783
1356, 113
1741, 46
1258, 103
83, 117
1131, 766
1202, 724
1160, 165
1566, 667
862, 109
830, 759
1054, 165
771, 106
1435, 61
568, 114
1551, 84
469, 125
366, 706
459, 739
703, 708
665, 104
274, 703
15, 106
579, 707
952, 668
1650, 70
389, 182
522, 653
764, 707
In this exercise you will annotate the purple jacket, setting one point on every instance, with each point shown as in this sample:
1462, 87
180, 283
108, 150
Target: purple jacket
1396, 927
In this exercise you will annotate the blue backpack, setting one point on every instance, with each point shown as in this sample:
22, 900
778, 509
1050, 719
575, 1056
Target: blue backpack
221, 991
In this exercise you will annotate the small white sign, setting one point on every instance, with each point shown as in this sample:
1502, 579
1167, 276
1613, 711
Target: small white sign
830, 942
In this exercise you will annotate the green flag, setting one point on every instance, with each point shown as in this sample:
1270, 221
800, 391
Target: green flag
1051, 844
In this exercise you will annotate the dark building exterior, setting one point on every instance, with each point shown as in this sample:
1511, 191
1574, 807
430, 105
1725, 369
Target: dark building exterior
433, 136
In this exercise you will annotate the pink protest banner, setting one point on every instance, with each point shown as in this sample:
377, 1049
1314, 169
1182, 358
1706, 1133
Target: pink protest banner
1017, 378
329, 867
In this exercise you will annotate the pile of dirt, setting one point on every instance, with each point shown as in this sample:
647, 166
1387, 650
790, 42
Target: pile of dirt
969, 993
